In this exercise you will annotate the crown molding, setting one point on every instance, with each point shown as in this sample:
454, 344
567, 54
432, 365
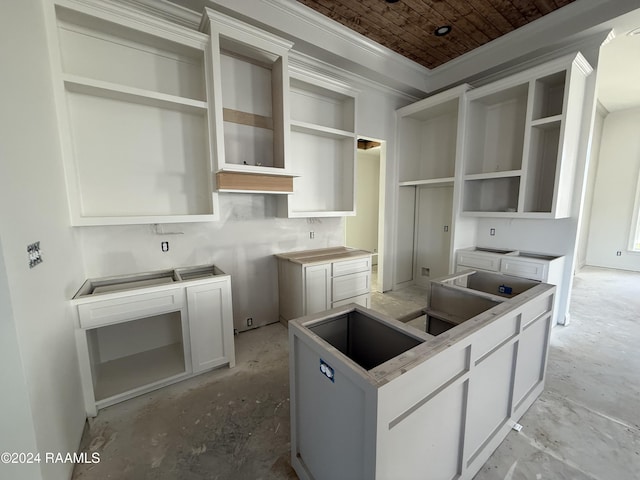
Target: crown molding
131, 14
561, 31
303, 65
163, 9
315, 35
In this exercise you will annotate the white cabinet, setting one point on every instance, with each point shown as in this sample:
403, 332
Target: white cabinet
134, 112
522, 131
312, 281
317, 288
250, 83
430, 134
211, 334
533, 266
141, 332
323, 148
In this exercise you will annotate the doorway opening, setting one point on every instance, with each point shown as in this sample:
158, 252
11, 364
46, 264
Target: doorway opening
365, 230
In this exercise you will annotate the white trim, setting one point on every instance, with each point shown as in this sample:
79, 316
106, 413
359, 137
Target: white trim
303, 65
634, 228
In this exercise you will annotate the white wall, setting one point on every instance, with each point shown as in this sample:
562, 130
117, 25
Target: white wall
17, 432
615, 192
33, 207
242, 244
362, 229
581, 256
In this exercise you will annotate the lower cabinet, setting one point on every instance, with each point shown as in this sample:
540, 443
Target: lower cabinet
139, 333
209, 307
533, 266
317, 280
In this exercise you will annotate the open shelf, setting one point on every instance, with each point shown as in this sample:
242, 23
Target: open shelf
316, 105
320, 130
136, 354
323, 149
434, 182
492, 195
548, 96
124, 93
326, 166
99, 49
136, 117
250, 133
496, 134
427, 142
541, 173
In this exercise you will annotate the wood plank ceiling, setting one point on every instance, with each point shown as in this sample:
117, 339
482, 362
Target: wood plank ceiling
407, 26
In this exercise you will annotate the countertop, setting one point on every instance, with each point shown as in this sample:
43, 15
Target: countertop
323, 255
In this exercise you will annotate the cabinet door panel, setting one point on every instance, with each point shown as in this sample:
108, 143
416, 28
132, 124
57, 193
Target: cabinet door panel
317, 286
524, 268
351, 266
209, 305
363, 300
475, 260
351, 286
130, 307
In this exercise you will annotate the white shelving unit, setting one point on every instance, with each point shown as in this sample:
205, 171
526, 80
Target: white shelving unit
134, 115
251, 109
137, 333
323, 148
520, 148
429, 136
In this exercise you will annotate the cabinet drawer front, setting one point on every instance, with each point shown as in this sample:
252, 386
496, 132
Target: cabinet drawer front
484, 262
349, 286
524, 268
363, 300
347, 267
122, 309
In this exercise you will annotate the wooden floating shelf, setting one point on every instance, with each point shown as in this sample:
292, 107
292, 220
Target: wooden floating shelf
245, 118
254, 182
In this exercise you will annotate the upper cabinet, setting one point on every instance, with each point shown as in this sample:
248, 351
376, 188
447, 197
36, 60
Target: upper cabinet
250, 83
428, 138
323, 147
134, 113
429, 134
521, 142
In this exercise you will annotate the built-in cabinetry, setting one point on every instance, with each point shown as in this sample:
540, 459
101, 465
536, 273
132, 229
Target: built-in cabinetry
534, 266
137, 333
521, 142
312, 281
381, 399
134, 112
429, 138
323, 148
250, 82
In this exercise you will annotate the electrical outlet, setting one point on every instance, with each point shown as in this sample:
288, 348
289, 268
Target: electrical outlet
618, 253
312, 235
164, 246
35, 256
492, 232
249, 322
425, 271
446, 228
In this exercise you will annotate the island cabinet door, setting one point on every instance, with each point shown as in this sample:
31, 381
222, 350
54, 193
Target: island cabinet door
210, 325
317, 288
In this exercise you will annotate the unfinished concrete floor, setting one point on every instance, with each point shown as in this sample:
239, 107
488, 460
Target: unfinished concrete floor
234, 423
